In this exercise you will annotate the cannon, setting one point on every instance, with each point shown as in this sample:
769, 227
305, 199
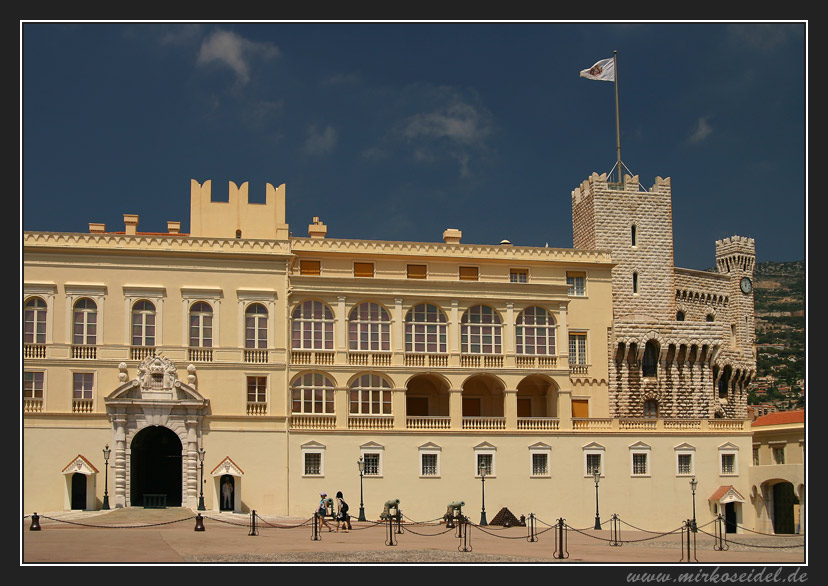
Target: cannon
387, 513
454, 510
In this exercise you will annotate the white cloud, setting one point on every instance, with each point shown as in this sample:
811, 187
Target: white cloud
320, 142
233, 51
701, 132
457, 122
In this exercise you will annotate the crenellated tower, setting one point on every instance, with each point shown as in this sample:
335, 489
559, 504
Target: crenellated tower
680, 344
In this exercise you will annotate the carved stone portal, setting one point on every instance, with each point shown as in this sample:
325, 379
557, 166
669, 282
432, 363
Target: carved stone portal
157, 397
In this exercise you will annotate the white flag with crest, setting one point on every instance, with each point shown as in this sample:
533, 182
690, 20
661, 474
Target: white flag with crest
604, 70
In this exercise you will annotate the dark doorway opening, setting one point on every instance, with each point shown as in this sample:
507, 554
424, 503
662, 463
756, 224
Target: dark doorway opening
228, 492
155, 466
78, 491
730, 518
784, 500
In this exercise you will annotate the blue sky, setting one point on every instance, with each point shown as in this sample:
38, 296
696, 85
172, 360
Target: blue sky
398, 131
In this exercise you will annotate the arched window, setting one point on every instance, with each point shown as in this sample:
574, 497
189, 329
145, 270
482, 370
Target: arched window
255, 326
635, 282
480, 331
710, 317
143, 323
650, 408
369, 328
632, 235
34, 321
313, 393
312, 326
201, 325
679, 316
724, 381
535, 332
85, 321
425, 329
370, 394
649, 365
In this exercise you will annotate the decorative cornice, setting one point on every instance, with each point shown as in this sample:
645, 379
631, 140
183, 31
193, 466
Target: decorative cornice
443, 250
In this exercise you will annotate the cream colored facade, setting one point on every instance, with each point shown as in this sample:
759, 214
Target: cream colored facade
286, 359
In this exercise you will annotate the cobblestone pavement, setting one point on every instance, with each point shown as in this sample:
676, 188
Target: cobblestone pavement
164, 536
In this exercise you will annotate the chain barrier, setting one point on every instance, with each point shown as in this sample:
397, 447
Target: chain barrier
757, 545
36, 522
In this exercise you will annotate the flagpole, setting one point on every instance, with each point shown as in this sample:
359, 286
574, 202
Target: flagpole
617, 120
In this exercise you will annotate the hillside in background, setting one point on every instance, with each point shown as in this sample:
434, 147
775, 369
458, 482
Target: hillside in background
779, 302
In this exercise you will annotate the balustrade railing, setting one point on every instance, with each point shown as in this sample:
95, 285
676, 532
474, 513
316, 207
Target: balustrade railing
200, 354
537, 423
140, 352
85, 352
34, 351
430, 360
430, 422
255, 356
311, 421
370, 422
32, 405
484, 423
82, 405
369, 358
312, 357
256, 408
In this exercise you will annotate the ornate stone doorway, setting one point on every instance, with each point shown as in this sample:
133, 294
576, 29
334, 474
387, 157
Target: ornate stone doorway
156, 433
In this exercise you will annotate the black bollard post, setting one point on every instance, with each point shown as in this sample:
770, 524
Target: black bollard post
253, 530
532, 537
615, 531
560, 541
199, 526
315, 532
35, 526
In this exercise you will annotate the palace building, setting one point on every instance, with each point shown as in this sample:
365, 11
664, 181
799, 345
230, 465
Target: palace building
240, 354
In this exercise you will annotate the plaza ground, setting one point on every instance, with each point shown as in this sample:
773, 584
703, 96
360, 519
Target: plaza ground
169, 536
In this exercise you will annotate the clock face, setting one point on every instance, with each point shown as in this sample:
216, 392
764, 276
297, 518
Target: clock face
746, 285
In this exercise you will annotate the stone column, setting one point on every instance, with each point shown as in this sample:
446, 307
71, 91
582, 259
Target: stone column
398, 407
510, 408
193, 465
341, 407
456, 408
565, 409
119, 460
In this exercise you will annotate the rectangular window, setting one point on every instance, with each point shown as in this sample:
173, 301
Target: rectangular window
33, 385
428, 463
755, 456
639, 464
779, 455
416, 271
256, 389
728, 463
309, 267
685, 464
468, 273
577, 349
577, 283
82, 385
313, 464
372, 463
593, 463
485, 463
363, 269
540, 464
518, 276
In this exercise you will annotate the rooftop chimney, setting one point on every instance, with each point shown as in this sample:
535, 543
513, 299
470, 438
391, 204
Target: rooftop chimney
130, 223
96, 228
452, 236
173, 227
317, 229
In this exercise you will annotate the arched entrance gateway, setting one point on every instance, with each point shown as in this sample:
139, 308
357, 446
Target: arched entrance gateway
156, 428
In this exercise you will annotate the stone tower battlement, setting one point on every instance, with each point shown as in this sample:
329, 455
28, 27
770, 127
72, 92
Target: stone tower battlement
735, 253
237, 217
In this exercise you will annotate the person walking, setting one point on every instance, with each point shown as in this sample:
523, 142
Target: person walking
322, 510
342, 515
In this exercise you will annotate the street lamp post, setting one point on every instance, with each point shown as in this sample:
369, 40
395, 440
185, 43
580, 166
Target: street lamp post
482, 471
201, 486
106, 452
693, 484
361, 465
596, 474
